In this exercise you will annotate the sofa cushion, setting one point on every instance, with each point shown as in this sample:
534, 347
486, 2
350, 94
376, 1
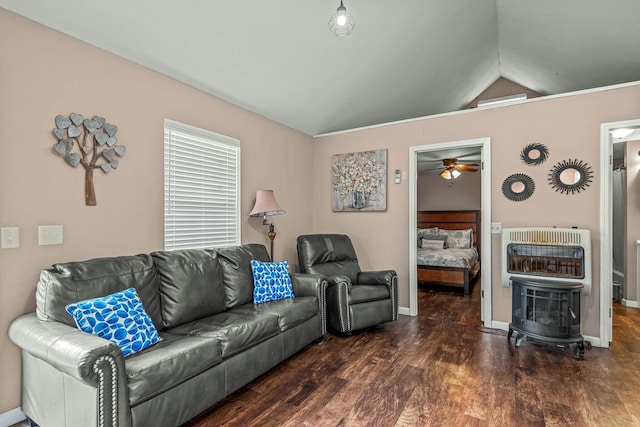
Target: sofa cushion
290, 311
271, 281
235, 330
365, 293
119, 318
236, 271
172, 361
190, 284
70, 282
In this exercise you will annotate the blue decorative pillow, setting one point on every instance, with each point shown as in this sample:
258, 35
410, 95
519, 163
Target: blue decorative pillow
119, 318
271, 281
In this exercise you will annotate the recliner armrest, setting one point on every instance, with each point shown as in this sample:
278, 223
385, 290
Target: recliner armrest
388, 278
312, 285
382, 277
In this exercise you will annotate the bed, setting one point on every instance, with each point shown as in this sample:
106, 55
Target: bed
454, 266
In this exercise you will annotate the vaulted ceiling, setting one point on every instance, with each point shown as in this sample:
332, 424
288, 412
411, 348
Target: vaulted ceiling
405, 59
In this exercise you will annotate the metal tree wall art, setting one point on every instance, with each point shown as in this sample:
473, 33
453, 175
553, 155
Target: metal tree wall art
91, 143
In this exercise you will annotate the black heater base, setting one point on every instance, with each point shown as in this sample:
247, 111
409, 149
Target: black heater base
575, 344
547, 311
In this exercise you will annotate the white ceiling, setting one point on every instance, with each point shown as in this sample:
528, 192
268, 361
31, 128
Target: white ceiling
405, 59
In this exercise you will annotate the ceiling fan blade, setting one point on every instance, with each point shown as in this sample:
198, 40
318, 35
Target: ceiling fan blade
470, 164
466, 168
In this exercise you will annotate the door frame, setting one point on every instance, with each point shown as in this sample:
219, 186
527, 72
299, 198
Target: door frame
606, 228
485, 220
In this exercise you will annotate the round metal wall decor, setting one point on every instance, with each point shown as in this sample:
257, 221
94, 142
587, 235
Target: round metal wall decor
534, 154
570, 176
518, 187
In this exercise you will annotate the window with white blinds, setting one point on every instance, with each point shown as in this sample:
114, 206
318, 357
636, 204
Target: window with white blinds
201, 188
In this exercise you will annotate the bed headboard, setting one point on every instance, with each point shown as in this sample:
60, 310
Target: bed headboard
452, 220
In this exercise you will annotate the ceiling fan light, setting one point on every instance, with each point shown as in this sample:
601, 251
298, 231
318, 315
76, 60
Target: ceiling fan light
341, 23
450, 173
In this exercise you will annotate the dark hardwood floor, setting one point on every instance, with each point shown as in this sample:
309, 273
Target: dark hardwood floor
442, 368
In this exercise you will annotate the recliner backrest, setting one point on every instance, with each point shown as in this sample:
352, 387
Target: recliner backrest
329, 255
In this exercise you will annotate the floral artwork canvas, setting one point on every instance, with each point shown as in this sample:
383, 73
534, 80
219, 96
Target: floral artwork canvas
360, 181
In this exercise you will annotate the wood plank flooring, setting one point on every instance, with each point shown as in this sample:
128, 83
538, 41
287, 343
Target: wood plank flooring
442, 368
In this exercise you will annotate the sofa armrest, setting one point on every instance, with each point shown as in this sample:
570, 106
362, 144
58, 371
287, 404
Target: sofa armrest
85, 357
312, 285
388, 278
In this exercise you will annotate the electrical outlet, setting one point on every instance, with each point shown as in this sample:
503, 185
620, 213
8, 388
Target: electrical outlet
50, 235
496, 228
10, 237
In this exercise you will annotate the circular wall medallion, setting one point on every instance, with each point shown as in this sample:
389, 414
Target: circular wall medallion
534, 154
570, 176
518, 187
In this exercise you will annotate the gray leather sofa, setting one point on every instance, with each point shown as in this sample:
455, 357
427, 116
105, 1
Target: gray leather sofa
214, 339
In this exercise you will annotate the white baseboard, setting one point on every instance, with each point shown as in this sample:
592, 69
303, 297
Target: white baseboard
629, 303
404, 311
595, 341
11, 417
495, 324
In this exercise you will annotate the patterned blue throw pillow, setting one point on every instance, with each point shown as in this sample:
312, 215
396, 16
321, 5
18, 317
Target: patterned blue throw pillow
119, 318
271, 281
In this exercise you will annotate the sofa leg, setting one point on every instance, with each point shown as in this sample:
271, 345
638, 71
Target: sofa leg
31, 423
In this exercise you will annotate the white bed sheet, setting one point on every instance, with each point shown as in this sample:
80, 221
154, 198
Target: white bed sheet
452, 257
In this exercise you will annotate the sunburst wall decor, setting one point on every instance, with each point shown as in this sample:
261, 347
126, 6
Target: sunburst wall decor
570, 176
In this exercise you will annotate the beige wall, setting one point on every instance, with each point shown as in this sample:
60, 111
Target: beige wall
437, 194
632, 229
569, 126
44, 73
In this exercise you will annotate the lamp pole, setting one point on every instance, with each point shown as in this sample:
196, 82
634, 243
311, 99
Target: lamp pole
272, 235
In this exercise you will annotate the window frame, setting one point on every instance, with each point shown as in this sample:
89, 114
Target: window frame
171, 231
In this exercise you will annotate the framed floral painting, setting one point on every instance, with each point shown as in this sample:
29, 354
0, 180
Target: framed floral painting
359, 181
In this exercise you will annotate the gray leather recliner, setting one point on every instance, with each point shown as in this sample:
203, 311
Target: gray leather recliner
355, 299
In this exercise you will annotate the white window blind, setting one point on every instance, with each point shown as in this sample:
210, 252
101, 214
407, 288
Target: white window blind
201, 188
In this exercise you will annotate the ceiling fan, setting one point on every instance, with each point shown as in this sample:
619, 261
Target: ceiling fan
453, 170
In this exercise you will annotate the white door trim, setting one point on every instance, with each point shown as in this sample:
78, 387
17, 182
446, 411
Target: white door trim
485, 221
606, 227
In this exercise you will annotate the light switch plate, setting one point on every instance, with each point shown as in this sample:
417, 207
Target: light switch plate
496, 228
50, 235
10, 237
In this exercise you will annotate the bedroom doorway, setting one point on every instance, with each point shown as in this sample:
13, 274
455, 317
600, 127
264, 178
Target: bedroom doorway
622, 286
453, 149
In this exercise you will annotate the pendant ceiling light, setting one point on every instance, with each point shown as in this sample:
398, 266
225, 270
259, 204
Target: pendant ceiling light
341, 23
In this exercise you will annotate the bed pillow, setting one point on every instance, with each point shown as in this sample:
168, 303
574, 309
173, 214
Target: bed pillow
461, 239
438, 238
119, 318
271, 281
432, 244
423, 232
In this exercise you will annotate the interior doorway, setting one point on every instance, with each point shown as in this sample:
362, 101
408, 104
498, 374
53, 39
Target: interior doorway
614, 137
484, 146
